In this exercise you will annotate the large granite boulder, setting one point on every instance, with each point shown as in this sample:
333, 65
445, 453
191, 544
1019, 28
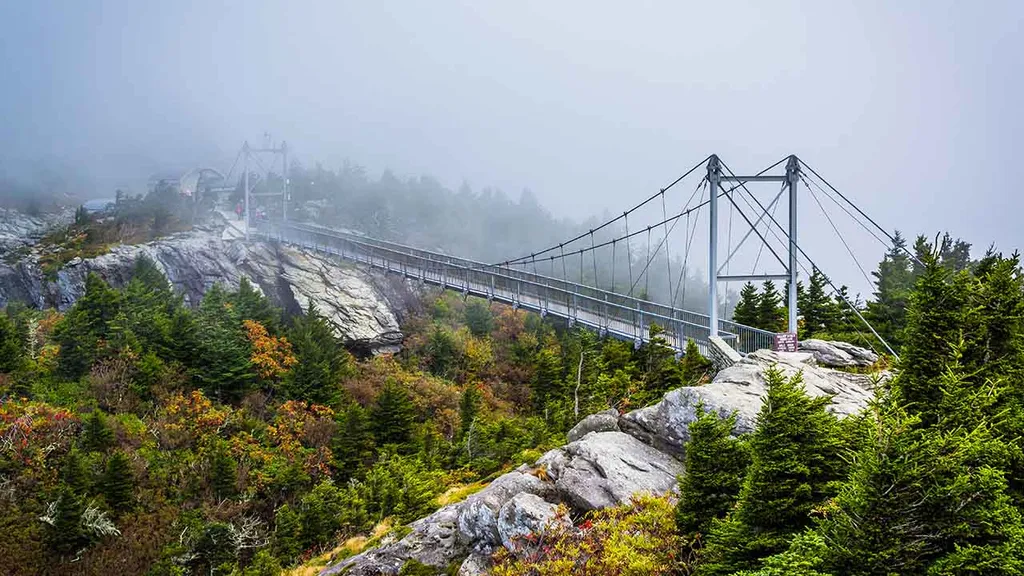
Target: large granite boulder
607, 421
739, 389
607, 468
838, 354
523, 515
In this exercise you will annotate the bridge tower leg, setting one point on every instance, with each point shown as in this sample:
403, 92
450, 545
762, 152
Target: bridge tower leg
714, 177
793, 178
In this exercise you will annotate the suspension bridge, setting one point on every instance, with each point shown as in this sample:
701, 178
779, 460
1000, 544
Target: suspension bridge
611, 309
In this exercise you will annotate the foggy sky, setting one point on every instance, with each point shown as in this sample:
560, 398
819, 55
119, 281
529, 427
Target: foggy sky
912, 108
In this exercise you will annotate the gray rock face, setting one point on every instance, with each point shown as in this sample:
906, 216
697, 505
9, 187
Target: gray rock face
607, 421
362, 306
523, 515
607, 468
18, 230
838, 354
739, 388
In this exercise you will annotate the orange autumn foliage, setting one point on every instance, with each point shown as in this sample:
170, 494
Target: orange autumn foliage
271, 356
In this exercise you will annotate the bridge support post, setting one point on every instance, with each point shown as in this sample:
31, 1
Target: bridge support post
714, 177
793, 178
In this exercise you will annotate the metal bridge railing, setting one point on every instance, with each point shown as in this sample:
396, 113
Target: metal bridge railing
608, 312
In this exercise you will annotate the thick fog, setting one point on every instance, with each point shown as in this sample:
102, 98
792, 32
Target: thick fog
911, 108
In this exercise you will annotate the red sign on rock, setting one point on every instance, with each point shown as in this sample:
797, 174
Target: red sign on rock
785, 342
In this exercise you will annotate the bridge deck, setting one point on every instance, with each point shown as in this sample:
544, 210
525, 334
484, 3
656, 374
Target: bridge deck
609, 313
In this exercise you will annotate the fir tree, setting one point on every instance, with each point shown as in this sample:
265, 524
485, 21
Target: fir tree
442, 353
392, 416
222, 361
74, 473
746, 309
794, 466
65, 534
287, 542
715, 466
694, 365
253, 305
321, 363
469, 408
479, 319
770, 313
352, 446
818, 309
97, 435
117, 482
223, 473
11, 345
894, 281
82, 329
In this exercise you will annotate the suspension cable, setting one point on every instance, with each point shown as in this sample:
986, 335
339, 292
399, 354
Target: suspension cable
838, 233
593, 254
629, 254
617, 218
668, 254
862, 213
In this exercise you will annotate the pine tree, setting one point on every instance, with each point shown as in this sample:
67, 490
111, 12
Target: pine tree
288, 543
770, 313
819, 311
352, 445
251, 304
894, 281
694, 365
97, 435
392, 416
940, 314
222, 363
746, 309
794, 466
74, 473
82, 329
11, 345
715, 466
469, 408
223, 473
321, 363
64, 532
117, 482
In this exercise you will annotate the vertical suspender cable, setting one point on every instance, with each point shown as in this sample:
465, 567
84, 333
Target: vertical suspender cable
593, 254
612, 289
647, 274
561, 253
629, 255
668, 254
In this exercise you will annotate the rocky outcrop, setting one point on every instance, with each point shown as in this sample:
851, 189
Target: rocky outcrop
19, 231
364, 307
606, 462
739, 389
523, 515
838, 354
607, 421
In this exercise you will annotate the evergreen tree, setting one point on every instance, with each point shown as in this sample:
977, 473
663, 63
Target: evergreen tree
846, 318
546, 385
117, 482
74, 473
65, 534
746, 309
770, 313
469, 408
794, 466
82, 329
392, 416
321, 362
97, 435
223, 473
715, 466
253, 305
442, 353
287, 544
940, 314
819, 311
11, 345
352, 445
222, 362
694, 365
894, 281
